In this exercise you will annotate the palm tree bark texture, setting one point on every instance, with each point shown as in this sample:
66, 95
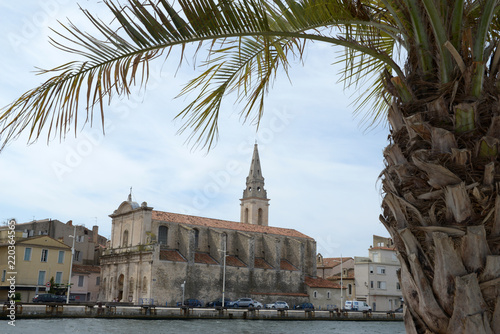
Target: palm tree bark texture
441, 183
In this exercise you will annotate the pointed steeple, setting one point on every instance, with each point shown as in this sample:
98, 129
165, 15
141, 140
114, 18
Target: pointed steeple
255, 180
255, 204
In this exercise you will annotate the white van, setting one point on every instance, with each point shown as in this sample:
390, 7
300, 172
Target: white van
354, 305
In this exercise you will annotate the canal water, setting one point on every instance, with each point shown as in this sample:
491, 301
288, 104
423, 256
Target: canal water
123, 326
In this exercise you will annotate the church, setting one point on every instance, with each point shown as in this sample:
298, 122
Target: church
160, 257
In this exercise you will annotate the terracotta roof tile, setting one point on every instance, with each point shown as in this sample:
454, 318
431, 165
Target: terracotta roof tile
261, 263
204, 258
224, 224
321, 283
171, 255
330, 262
234, 261
285, 265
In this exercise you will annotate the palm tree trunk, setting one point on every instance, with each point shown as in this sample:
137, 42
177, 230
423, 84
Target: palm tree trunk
442, 208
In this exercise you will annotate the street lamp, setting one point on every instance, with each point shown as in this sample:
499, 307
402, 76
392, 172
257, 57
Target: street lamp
224, 271
71, 264
341, 284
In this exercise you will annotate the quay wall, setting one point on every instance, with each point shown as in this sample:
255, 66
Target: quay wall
34, 311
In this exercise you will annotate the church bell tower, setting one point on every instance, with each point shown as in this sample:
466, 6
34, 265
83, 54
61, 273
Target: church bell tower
255, 204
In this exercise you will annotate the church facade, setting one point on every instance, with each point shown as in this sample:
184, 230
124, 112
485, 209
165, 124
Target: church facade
161, 257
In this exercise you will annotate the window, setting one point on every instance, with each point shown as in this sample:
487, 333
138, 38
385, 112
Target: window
381, 270
98, 280
349, 289
398, 286
371, 284
41, 277
259, 216
371, 269
315, 294
3, 275
376, 257
58, 277
27, 254
80, 280
328, 295
381, 285
61, 257
196, 238
162, 235
76, 257
45, 255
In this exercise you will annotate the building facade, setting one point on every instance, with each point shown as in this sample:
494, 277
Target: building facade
161, 256
88, 248
85, 283
324, 294
37, 260
88, 242
339, 270
376, 277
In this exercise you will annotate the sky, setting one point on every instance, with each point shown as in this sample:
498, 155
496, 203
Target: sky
320, 163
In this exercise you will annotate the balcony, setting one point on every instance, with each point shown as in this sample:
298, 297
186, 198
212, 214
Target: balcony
132, 249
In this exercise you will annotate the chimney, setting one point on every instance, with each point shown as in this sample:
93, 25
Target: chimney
70, 223
95, 230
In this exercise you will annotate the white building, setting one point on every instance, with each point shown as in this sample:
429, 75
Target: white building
376, 277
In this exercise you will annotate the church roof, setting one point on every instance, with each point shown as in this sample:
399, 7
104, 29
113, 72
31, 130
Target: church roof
224, 224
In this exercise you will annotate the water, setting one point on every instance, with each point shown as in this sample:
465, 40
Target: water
121, 326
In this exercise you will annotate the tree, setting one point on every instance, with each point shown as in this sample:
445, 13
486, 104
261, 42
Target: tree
441, 182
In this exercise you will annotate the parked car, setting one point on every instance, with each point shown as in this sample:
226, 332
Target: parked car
192, 303
245, 302
257, 304
218, 302
354, 305
278, 305
49, 298
304, 306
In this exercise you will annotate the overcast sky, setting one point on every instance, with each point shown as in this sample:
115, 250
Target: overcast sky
320, 165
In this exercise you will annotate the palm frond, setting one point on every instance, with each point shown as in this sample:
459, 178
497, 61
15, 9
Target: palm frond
142, 31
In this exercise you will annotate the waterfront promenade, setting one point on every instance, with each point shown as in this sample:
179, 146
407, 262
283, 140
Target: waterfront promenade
115, 310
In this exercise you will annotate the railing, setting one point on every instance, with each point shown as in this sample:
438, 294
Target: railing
132, 249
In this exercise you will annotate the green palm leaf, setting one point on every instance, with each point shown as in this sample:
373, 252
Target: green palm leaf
145, 30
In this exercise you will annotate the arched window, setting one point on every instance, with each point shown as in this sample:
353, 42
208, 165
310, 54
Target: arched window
315, 294
246, 216
125, 239
162, 235
196, 238
349, 289
259, 217
328, 295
